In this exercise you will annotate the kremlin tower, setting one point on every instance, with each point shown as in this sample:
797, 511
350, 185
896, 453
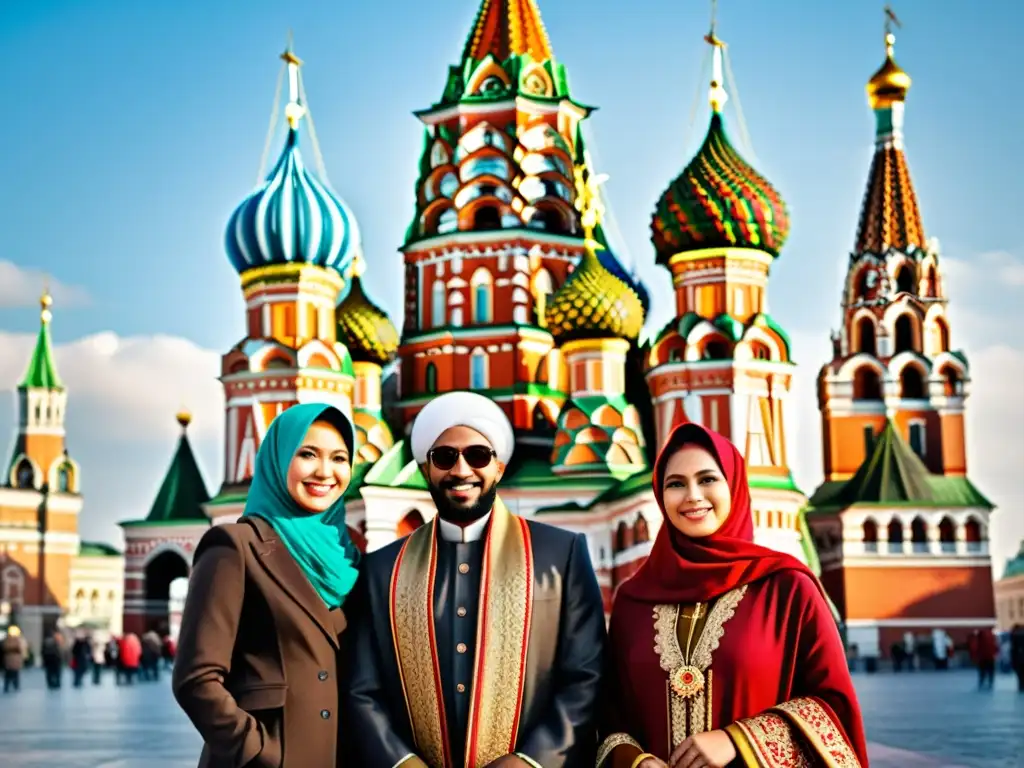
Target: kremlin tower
722, 361
896, 506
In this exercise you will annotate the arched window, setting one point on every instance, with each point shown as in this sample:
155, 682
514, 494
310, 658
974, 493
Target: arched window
895, 536
438, 304
760, 351
866, 336
905, 279
862, 284
919, 535
25, 476
904, 334
483, 300
478, 369
623, 537
64, 478
947, 535
12, 585
641, 533
933, 283
870, 535
972, 535
911, 383
409, 523
953, 385
486, 217
941, 335
430, 378
867, 385
716, 349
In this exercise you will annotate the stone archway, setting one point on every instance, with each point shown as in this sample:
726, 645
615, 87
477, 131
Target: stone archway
164, 569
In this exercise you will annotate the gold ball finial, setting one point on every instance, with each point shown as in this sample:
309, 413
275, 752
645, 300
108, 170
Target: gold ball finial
184, 418
45, 302
357, 267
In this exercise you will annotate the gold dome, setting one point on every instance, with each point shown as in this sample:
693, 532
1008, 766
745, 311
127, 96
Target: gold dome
594, 304
890, 83
364, 328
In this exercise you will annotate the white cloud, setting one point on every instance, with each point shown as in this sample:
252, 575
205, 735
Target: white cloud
21, 287
129, 389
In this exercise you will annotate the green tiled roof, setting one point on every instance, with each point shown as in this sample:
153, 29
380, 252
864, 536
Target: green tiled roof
894, 475
42, 371
1015, 565
183, 491
97, 549
396, 469
359, 472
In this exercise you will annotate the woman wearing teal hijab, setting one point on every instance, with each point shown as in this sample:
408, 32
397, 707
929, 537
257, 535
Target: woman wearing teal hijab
260, 645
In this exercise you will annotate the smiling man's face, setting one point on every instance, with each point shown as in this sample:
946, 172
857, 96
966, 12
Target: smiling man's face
462, 472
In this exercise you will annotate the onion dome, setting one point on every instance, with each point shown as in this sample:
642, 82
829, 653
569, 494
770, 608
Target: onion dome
632, 279
363, 327
719, 200
594, 304
890, 83
292, 217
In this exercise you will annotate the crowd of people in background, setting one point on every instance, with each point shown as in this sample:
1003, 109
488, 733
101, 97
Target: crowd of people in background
127, 658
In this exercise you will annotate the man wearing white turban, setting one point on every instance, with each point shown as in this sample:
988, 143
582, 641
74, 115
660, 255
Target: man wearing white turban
478, 640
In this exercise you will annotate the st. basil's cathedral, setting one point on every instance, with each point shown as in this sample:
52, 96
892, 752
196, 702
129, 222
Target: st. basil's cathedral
512, 289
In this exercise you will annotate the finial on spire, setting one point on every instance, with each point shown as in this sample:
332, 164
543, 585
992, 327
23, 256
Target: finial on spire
184, 418
588, 203
295, 110
717, 96
45, 302
890, 22
358, 265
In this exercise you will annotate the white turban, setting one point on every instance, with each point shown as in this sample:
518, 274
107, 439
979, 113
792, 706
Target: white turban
462, 409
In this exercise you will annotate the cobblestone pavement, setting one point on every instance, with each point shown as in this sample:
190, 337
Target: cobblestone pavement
917, 720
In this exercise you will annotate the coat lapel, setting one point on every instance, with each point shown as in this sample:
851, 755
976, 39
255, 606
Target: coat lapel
278, 562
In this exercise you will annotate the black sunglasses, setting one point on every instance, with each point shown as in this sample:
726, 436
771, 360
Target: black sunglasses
446, 457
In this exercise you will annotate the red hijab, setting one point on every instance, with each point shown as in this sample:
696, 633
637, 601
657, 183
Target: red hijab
681, 569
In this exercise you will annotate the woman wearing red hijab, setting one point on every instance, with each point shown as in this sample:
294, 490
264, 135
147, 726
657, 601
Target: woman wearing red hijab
724, 652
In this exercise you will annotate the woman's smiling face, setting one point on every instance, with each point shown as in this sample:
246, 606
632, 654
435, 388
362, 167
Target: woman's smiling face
695, 493
321, 469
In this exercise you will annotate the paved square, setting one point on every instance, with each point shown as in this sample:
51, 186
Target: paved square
917, 720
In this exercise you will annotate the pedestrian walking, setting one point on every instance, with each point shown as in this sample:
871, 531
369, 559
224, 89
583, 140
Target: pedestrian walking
14, 649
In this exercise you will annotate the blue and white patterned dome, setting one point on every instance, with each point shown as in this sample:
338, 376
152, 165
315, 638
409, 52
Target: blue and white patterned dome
292, 217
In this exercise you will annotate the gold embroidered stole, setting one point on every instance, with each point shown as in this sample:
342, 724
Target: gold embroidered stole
691, 714
503, 631
799, 733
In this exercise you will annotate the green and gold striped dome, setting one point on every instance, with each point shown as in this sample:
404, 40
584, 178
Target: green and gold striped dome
594, 304
364, 328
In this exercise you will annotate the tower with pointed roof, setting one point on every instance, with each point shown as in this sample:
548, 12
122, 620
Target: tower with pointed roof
495, 231
896, 506
158, 548
722, 361
40, 498
292, 241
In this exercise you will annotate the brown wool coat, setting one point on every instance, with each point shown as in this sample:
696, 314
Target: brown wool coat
257, 666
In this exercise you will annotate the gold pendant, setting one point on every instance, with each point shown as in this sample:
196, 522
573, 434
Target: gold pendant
687, 681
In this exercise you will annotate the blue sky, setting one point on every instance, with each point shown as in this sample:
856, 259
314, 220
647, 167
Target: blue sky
133, 129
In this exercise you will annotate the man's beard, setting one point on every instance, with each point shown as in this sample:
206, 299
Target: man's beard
461, 514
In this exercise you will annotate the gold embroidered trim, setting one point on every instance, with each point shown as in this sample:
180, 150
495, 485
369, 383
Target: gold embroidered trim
503, 633
770, 739
613, 741
666, 645
412, 630
821, 732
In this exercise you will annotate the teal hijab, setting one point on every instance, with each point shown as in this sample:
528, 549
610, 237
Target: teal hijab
320, 543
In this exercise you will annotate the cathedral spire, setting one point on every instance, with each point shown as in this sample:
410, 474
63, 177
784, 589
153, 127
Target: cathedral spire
42, 371
507, 28
890, 217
